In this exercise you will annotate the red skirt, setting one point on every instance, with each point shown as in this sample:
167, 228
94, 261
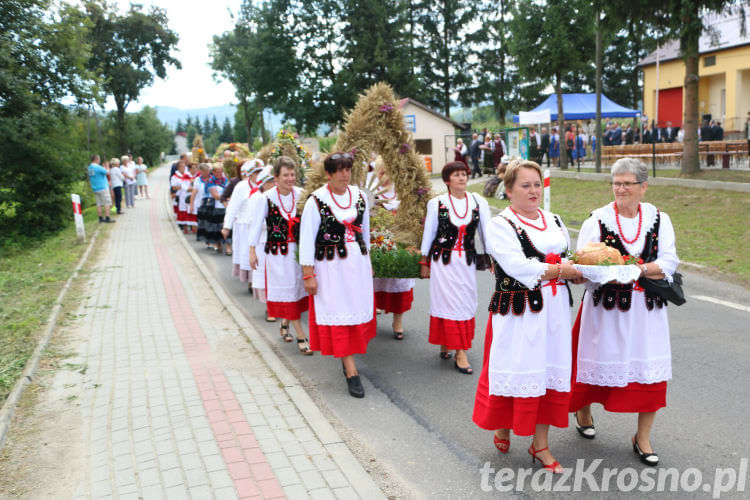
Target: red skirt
339, 340
450, 333
394, 302
521, 415
287, 310
192, 218
633, 398
182, 216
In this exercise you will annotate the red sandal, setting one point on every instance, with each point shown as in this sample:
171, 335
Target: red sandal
550, 467
502, 445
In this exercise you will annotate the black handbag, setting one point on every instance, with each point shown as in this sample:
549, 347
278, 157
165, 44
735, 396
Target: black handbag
664, 289
484, 262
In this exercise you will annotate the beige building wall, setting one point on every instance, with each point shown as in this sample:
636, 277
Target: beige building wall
731, 73
433, 128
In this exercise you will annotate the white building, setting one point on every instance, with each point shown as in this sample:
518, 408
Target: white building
430, 129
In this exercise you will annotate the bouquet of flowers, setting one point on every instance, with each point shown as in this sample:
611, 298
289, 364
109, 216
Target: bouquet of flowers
389, 258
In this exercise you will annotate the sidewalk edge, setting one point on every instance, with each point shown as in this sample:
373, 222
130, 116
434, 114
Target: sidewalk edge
359, 479
9, 406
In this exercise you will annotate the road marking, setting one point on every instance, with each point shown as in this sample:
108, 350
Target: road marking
721, 302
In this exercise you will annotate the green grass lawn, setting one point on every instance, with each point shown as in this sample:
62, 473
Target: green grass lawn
30, 280
707, 229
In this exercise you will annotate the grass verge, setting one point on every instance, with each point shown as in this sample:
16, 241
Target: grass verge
30, 280
707, 229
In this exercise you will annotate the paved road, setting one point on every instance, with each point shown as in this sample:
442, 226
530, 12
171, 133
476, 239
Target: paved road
416, 417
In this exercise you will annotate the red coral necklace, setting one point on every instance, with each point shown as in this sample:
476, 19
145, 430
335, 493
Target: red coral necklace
544, 221
281, 204
466, 197
619, 227
334, 198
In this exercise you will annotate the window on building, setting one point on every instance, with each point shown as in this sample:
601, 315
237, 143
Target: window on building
709, 61
423, 146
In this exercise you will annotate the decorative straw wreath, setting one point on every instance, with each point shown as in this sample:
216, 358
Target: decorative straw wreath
198, 153
287, 144
376, 124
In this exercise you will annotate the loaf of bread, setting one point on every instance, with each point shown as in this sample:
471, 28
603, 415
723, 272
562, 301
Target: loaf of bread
596, 254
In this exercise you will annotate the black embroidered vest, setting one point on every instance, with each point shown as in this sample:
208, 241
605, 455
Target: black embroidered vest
278, 231
331, 238
611, 295
510, 293
447, 232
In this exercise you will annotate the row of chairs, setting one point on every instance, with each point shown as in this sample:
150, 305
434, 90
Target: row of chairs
725, 152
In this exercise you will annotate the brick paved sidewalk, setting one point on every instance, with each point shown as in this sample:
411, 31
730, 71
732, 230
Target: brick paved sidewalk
184, 405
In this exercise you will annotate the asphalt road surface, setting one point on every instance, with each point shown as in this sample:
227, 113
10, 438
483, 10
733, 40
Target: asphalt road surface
415, 421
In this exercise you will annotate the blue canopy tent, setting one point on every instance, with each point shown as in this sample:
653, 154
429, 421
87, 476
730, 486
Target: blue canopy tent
583, 107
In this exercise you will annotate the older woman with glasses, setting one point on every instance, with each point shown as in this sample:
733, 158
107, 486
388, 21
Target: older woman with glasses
622, 357
336, 269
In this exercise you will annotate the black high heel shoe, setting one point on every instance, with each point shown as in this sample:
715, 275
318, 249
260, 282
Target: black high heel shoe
586, 431
356, 389
651, 459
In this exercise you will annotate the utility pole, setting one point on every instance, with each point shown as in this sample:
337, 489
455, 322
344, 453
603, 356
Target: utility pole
598, 121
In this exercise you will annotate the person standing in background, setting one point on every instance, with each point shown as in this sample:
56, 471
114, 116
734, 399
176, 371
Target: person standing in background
141, 179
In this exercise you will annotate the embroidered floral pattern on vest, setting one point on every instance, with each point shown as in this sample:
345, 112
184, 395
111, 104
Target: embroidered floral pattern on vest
279, 234
331, 238
448, 233
611, 295
511, 294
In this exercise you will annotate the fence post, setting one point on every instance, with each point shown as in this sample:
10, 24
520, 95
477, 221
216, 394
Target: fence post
78, 216
546, 190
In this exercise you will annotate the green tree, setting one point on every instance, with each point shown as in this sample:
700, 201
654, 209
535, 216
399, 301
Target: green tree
258, 57
444, 28
227, 135
557, 32
179, 127
206, 128
43, 54
128, 51
191, 133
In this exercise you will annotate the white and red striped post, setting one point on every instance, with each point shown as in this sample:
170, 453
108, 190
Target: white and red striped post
546, 190
78, 216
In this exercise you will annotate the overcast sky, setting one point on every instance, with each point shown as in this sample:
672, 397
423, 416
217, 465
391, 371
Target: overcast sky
196, 22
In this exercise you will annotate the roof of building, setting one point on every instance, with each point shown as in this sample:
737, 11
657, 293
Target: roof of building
408, 100
727, 33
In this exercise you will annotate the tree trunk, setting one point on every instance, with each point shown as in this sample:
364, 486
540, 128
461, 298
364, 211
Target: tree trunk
248, 121
690, 158
263, 134
560, 123
121, 126
598, 120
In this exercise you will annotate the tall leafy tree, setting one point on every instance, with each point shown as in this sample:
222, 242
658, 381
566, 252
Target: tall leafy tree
258, 57
179, 127
444, 27
128, 52
549, 43
227, 134
43, 54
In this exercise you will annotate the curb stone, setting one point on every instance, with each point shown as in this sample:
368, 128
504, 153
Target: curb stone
360, 480
11, 403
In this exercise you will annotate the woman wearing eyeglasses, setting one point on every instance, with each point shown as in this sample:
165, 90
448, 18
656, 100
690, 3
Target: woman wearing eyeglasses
621, 352
336, 269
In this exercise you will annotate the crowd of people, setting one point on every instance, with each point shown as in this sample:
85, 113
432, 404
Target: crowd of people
114, 179
537, 366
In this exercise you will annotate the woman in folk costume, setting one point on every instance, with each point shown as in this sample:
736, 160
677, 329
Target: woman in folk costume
334, 247
215, 217
554, 146
196, 199
460, 151
392, 295
237, 220
621, 336
192, 215
449, 260
581, 144
525, 380
182, 184
266, 181
277, 208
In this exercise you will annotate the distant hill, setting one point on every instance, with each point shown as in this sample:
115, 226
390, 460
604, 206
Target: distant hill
170, 115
